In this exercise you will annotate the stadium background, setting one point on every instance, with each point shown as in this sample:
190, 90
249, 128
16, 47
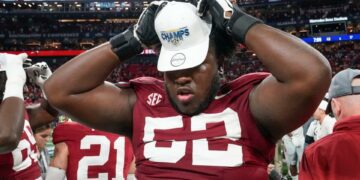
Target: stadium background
55, 31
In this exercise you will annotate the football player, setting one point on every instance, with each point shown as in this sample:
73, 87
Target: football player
85, 153
189, 126
18, 158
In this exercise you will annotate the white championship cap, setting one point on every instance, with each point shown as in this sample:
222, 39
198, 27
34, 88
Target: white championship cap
184, 37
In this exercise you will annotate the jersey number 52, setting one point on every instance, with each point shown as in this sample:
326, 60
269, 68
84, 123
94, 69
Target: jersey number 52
201, 155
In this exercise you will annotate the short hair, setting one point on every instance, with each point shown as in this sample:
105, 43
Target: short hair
41, 128
222, 43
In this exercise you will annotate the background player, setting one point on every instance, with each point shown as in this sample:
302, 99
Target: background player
18, 158
189, 126
293, 149
85, 153
42, 136
325, 120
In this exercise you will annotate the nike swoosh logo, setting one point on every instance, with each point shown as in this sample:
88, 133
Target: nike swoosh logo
218, 97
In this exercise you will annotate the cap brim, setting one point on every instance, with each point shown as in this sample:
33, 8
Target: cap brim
173, 60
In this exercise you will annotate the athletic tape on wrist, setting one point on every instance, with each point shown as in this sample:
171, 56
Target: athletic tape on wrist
125, 45
14, 89
240, 24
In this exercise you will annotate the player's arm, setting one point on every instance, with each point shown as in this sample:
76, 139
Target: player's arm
58, 165
300, 75
132, 168
11, 123
78, 87
12, 105
41, 114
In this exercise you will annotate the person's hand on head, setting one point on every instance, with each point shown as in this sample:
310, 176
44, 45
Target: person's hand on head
39, 73
131, 42
220, 10
228, 17
144, 29
16, 77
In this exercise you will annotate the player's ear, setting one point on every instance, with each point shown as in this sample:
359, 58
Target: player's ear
336, 107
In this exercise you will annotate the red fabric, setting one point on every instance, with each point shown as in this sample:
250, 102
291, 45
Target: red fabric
26, 167
181, 134
336, 156
73, 134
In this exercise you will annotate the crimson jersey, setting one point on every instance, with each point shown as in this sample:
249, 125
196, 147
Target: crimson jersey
223, 142
93, 153
21, 163
336, 156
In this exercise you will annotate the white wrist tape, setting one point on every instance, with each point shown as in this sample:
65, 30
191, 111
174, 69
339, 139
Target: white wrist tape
14, 89
55, 173
16, 79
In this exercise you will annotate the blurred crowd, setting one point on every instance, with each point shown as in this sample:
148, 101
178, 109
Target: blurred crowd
49, 31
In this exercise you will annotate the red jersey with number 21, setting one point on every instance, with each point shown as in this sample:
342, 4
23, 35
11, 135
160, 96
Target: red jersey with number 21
21, 163
93, 153
223, 142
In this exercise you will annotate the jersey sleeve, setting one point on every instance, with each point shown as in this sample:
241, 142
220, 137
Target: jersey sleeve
257, 135
129, 150
147, 89
145, 82
65, 132
123, 84
248, 80
129, 156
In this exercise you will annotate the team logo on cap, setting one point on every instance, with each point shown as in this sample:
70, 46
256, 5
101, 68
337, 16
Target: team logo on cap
178, 59
175, 36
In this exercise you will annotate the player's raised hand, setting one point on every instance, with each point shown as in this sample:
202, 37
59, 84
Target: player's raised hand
220, 10
144, 29
39, 73
16, 77
228, 17
132, 41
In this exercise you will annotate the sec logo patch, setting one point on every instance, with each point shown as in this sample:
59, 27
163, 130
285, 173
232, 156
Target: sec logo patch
154, 99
